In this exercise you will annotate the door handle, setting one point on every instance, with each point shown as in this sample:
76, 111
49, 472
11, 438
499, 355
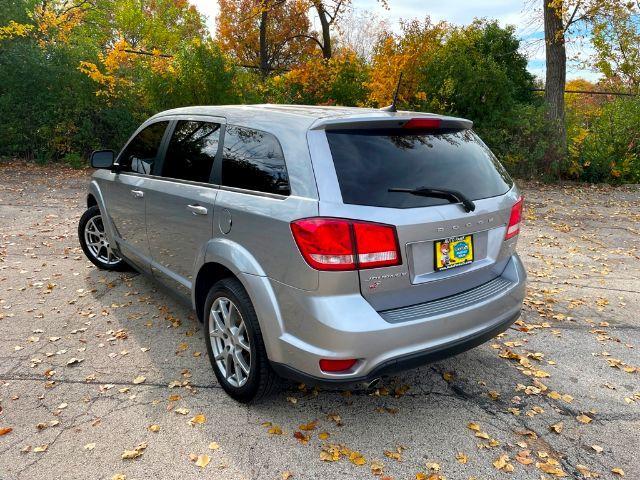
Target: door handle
197, 209
137, 193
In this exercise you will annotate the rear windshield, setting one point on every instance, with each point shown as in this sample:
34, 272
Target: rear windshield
369, 163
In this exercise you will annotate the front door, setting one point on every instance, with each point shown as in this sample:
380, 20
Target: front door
180, 204
126, 193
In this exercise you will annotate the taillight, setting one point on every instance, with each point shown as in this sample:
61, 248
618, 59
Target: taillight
513, 228
340, 244
423, 123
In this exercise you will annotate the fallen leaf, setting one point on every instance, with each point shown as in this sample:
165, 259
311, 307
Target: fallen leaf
119, 476
213, 446
308, 426
198, 419
182, 411
323, 435
597, 448
584, 419
557, 427
377, 467
286, 475
301, 437
135, 453
90, 446
618, 471
41, 448
275, 430
473, 426
203, 460
552, 467
462, 458
357, 459
434, 467
154, 428
139, 379
502, 463
5, 430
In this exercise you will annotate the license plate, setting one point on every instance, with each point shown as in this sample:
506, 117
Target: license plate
453, 252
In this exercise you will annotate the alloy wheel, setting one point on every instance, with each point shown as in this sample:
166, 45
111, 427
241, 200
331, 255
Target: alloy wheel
97, 242
230, 341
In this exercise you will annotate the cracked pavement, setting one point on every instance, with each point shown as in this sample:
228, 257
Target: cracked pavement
573, 356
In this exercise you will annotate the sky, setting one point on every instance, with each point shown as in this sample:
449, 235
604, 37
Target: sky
459, 12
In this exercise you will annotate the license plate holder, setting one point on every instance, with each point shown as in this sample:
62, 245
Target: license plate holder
453, 252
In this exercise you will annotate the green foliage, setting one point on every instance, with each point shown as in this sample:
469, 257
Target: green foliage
609, 151
477, 73
75, 160
203, 76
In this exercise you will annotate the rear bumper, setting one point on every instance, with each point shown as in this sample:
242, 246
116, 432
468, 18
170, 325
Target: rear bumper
405, 362
314, 326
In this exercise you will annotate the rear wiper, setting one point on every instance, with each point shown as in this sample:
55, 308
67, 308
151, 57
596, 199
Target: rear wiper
452, 195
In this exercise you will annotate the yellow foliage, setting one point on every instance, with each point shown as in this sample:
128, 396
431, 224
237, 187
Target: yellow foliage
56, 21
402, 53
14, 29
315, 78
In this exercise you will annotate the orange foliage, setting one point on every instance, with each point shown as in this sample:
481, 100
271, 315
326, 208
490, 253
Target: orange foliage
403, 53
238, 30
325, 82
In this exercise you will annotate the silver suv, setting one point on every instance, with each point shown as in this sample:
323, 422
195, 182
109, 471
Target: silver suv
322, 244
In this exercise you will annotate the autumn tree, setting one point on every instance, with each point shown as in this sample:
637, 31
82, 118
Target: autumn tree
563, 20
267, 35
403, 52
340, 80
616, 41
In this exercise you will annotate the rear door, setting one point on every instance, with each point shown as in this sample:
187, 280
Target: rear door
445, 249
181, 199
126, 194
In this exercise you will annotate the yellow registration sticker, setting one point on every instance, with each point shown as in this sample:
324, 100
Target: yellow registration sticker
453, 252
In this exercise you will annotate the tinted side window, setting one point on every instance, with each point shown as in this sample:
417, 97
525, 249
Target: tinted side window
253, 160
191, 151
142, 152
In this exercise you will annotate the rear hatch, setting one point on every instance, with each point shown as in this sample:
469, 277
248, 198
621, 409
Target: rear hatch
446, 248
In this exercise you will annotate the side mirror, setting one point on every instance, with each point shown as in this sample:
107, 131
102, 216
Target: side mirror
102, 158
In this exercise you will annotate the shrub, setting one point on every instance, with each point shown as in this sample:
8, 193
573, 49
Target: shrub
610, 150
338, 81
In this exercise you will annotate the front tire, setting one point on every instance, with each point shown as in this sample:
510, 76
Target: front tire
94, 242
234, 343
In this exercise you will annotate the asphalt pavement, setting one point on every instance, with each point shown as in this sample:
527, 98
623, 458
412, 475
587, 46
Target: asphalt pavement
96, 366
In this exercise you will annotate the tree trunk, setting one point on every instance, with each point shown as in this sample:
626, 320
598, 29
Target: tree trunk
264, 60
326, 29
556, 67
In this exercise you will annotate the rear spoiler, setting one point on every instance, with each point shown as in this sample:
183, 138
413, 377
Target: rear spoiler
410, 122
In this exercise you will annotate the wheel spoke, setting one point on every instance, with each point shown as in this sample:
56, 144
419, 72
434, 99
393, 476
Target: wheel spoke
244, 345
227, 364
240, 361
225, 307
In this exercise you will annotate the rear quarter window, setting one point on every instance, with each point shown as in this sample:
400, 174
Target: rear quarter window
253, 160
369, 163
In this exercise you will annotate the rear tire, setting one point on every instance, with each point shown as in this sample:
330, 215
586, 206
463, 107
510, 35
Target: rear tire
234, 343
95, 244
